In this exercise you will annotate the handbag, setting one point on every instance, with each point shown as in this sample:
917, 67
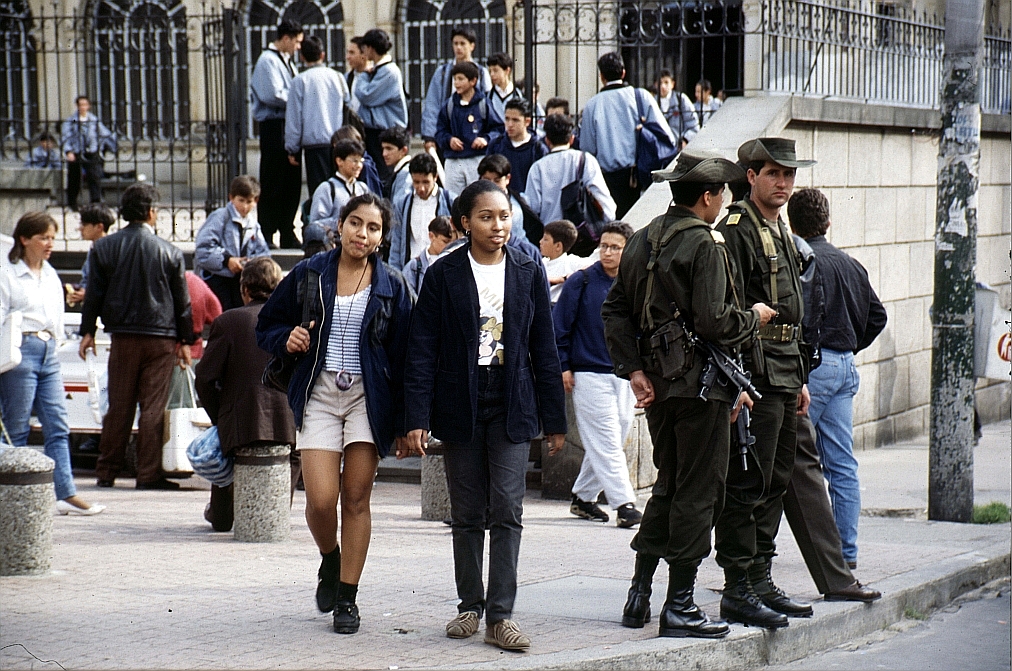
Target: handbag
184, 421
10, 341
654, 149
278, 373
205, 455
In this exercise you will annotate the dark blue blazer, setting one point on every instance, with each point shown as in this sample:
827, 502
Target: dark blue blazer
441, 378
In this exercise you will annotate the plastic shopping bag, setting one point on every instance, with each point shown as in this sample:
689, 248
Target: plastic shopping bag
204, 454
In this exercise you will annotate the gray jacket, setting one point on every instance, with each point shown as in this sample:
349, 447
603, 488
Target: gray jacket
316, 100
272, 76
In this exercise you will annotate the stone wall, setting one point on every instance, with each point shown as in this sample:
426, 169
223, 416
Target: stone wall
877, 165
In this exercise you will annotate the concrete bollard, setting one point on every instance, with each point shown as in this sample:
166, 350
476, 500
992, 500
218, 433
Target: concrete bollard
435, 497
26, 496
262, 493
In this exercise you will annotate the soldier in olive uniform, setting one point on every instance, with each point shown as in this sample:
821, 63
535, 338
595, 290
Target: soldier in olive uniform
767, 268
677, 267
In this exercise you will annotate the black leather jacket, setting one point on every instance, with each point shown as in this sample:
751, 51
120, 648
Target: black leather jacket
137, 283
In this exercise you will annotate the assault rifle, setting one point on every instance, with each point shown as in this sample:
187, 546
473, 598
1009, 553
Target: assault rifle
743, 437
720, 364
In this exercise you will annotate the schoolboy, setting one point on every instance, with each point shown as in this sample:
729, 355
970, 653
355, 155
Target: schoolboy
332, 195
559, 237
96, 220
519, 147
441, 234
467, 125
500, 69
46, 156
496, 168
230, 237
414, 209
395, 143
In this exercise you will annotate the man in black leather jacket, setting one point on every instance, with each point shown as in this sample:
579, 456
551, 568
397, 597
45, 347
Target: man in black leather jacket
137, 285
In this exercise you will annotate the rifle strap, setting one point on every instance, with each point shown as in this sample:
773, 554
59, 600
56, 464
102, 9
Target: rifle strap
769, 247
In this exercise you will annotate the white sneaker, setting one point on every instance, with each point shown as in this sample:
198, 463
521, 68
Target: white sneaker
64, 508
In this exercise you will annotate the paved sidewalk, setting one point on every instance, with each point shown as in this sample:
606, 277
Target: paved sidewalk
147, 584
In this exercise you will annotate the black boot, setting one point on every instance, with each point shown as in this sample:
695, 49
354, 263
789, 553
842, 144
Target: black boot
346, 617
681, 617
761, 578
740, 604
329, 575
637, 607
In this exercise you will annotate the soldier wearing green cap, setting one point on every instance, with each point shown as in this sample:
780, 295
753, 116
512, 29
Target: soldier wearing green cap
675, 274
767, 268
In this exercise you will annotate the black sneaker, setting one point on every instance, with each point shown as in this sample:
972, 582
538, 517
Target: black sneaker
346, 619
587, 510
628, 516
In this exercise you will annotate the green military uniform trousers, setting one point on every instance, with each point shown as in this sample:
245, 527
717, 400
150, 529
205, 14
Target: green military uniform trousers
691, 441
746, 531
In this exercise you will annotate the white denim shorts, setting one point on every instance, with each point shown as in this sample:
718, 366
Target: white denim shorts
334, 419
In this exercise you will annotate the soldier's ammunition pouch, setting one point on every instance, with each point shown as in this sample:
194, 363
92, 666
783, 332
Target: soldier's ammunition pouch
754, 359
671, 353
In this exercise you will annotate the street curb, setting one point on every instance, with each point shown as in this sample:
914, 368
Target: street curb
922, 590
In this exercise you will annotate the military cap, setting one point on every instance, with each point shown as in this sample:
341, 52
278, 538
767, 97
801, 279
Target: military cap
704, 168
779, 150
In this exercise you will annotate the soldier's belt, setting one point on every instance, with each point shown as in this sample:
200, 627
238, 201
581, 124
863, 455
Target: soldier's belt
779, 332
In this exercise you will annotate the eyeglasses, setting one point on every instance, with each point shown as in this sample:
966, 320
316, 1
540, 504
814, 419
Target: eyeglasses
611, 248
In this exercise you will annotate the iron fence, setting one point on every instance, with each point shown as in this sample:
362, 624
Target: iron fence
872, 52
168, 84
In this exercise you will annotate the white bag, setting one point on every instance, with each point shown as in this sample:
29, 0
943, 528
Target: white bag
182, 426
10, 342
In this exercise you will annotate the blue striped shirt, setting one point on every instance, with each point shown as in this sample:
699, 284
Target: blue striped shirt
342, 346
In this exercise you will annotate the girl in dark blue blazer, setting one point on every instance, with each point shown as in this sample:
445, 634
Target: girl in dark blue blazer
483, 375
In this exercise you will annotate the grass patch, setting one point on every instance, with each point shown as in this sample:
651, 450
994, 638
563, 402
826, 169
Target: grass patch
995, 512
914, 614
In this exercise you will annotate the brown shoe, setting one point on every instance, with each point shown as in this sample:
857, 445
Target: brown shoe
464, 625
856, 592
506, 634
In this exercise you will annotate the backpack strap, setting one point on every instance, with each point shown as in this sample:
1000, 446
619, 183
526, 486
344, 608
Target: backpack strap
657, 238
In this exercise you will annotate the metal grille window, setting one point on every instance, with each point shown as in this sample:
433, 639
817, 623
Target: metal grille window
325, 19
139, 51
19, 110
425, 40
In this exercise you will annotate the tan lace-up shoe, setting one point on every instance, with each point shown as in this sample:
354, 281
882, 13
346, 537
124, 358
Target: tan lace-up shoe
464, 625
507, 635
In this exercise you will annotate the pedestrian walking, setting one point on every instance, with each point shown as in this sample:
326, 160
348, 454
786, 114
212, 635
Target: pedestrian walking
467, 125
496, 168
705, 104
517, 144
558, 238
380, 92
370, 173
484, 377
396, 143
609, 126
767, 269
414, 210
677, 109
440, 88
346, 391
603, 402
357, 64
281, 177
853, 316
97, 219
137, 285
30, 286
229, 238
228, 382
331, 196
561, 167
441, 234
316, 100
500, 71
84, 139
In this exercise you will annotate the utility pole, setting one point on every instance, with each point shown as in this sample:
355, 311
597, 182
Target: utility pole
950, 457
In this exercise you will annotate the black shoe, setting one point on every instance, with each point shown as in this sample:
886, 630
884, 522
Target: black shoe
329, 576
855, 592
105, 483
587, 510
628, 516
636, 612
346, 619
740, 604
761, 577
681, 617
160, 483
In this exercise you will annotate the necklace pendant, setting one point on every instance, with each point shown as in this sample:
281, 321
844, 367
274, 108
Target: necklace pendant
344, 380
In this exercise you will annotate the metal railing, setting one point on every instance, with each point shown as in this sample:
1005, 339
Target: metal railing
871, 52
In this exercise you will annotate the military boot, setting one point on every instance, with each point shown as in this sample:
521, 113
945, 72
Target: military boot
681, 617
637, 606
740, 604
761, 578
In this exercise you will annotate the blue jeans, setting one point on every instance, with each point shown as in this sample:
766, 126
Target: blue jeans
833, 386
37, 383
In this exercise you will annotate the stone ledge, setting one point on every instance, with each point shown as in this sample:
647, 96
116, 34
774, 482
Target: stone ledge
836, 111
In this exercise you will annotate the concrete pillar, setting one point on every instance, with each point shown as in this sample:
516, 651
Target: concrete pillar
262, 494
26, 497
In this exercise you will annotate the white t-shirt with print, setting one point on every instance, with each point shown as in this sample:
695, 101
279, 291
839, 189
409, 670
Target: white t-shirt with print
491, 282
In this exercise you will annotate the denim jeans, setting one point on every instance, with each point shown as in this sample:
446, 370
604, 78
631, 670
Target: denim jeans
833, 386
37, 383
487, 482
